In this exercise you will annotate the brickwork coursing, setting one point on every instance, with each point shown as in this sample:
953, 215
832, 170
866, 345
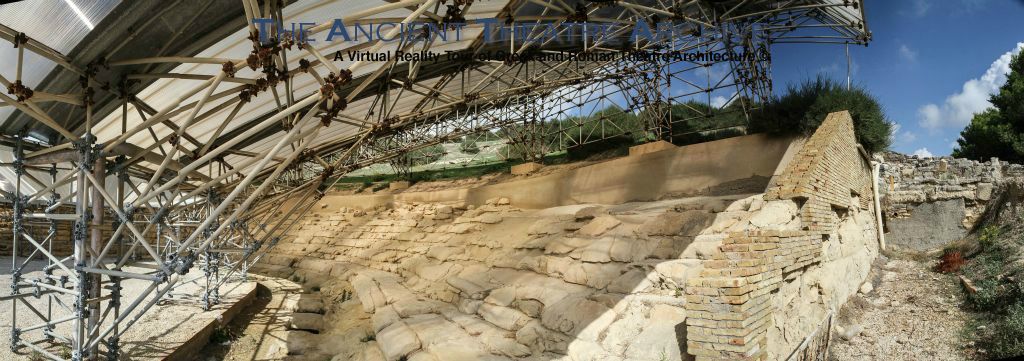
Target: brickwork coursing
826, 173
729, 304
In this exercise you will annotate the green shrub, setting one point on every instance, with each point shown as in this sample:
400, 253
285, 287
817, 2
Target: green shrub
999, 296
1007, 338
988, 236
804, 107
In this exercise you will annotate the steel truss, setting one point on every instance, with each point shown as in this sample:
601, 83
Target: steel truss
177, 205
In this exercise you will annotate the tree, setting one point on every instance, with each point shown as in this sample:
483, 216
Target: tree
987, 136
997, 132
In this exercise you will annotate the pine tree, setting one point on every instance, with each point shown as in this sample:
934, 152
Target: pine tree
997, 132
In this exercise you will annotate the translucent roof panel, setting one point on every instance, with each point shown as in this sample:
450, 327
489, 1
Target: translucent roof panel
60, 24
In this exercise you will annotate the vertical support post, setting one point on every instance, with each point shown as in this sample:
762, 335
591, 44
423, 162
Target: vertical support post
54, 199
79, 340
99, 172
16, 226
211, 295
875, 165
113, 342
848, 64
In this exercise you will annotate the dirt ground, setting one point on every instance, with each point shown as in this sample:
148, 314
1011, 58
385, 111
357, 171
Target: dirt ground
912, 313
251, 334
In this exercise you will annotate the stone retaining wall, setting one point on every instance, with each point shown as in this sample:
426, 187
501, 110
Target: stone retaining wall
719, 167
930, 202
734, 306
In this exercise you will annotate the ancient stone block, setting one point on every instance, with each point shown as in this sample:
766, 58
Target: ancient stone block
398, 185
651, 147
504, 317
571, 315
306, 321
678, 271
489, 218
541, 339
774, 215
301, 342
597, 251
632, 281
984, 191
397, 341
502, 296
526, 168
367, 292
598, 226
307, 303
467, 288
370, 352
677, 223
384, 317
589, 212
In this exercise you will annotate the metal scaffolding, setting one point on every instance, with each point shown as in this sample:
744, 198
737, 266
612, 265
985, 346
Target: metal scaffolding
152, 212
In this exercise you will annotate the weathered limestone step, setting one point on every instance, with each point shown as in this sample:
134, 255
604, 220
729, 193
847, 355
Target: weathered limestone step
526, 168
651, 147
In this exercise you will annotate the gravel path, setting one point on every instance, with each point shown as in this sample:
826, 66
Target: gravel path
912, 313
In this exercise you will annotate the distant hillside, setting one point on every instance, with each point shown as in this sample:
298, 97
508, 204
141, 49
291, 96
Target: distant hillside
453, 157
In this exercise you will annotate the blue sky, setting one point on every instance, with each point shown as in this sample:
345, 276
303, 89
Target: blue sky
932, 63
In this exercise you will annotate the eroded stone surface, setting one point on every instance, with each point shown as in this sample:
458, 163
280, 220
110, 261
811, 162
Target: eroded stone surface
495, 282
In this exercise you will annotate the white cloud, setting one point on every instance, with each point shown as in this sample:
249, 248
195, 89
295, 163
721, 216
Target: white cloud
839, 68
923, 153
921, 7
718, 101
958, 108
908, 54
903, 137
906, 137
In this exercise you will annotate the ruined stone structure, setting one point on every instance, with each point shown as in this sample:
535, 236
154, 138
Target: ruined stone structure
772, 283
745, 265
930, 202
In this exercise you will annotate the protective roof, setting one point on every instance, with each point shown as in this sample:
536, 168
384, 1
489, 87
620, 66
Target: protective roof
225, 38
66, 23
62, 29
237, 47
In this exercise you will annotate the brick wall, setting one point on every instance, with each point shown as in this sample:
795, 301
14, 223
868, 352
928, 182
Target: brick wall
729, 306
